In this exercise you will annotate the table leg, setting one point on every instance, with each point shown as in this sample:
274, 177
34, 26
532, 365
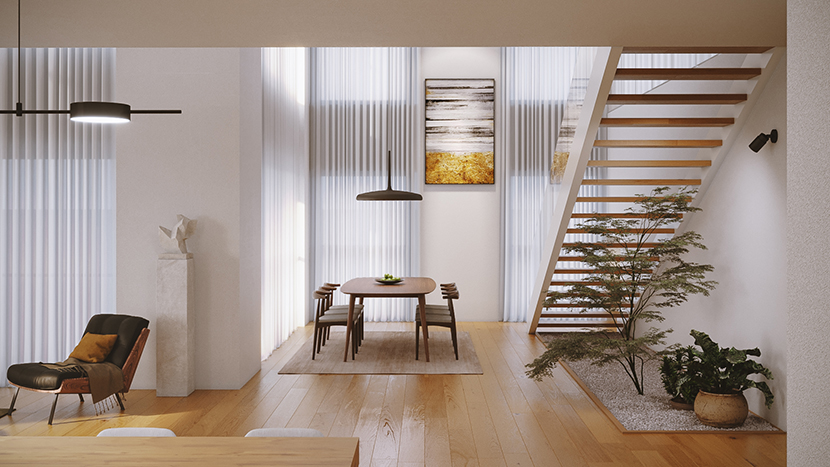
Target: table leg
422, 302
349, 327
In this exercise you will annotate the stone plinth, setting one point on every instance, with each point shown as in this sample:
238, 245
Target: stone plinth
175, 345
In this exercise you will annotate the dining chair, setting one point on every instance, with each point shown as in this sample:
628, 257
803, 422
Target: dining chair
284, 433
323, 321
138, 432
331, 309
439, 315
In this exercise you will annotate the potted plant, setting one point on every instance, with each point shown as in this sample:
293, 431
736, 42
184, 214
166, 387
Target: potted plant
722, 375
677, 380
632, 280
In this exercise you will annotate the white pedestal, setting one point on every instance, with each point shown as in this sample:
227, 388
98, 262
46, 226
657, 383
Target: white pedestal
175, 345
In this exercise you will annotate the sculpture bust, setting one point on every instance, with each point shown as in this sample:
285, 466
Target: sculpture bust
173, 241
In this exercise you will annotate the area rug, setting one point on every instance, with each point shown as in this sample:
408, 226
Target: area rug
651, 411
388, 353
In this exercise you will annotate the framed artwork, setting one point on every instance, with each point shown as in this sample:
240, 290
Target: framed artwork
460, 131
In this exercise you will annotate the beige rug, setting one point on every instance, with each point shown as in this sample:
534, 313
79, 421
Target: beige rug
388, 353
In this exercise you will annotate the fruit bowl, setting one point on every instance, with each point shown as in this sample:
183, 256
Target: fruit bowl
388, 279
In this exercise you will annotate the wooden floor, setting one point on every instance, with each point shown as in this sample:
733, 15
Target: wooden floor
495, 419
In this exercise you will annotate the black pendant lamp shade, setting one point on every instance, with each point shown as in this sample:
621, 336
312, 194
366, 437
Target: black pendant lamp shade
89, 112
389, 194
99, 112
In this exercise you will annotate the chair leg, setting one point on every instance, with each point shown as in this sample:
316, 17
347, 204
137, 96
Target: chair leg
417, 337
120, 403
81, 397
454, 341
14, 399
54, 404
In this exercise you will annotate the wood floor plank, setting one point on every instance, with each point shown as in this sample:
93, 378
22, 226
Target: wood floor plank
437, 449
483, 429
412, 424
388, 436
462, 442
368, 420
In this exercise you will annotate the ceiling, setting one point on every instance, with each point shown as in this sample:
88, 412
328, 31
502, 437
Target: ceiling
258, 23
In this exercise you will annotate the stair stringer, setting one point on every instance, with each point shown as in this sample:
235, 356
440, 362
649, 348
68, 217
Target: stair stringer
599, 85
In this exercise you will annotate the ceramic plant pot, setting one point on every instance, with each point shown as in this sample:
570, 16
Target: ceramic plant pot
721, 410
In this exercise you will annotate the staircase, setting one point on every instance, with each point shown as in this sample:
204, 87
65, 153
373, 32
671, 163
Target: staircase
627, 143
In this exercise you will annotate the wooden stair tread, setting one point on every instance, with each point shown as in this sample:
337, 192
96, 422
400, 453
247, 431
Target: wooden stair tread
609, 199
651, 163
696, 50
582, 258
567, 283
680, 99
686, 73
642, 181
657, 231
575, 324
667, 122
617, 245
657, 143
582, 315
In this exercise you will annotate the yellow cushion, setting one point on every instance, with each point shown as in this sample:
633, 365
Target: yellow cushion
94, 348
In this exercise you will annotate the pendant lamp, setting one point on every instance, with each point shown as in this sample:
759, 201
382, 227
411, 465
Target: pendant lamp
389, 194
89, 111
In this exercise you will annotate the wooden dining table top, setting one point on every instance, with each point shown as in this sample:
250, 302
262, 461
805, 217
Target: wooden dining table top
184, 451
369, 287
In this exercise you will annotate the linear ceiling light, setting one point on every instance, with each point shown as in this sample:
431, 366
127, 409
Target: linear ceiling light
389, 194
89, 111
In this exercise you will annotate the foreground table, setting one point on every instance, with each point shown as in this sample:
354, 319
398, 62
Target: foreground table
182, 451
362, 287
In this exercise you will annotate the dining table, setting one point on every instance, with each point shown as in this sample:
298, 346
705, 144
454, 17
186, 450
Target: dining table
363, 287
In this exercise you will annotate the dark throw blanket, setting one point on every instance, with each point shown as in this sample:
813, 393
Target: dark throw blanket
105, 379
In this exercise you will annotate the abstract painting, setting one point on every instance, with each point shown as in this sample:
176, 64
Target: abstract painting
460, 131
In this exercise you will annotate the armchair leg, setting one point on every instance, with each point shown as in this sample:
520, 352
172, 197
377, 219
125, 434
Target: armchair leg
4, 412
81, 397
118, 398
54, 404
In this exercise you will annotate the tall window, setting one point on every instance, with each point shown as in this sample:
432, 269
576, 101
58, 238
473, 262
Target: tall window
57, 204
364, 103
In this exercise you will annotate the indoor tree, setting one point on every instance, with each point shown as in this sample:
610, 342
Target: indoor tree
633, 279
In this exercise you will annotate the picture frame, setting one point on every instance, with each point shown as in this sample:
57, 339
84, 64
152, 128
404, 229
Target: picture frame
460, 131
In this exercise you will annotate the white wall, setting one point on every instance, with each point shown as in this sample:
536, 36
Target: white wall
186, 164
808, 197
460, 223
743, 223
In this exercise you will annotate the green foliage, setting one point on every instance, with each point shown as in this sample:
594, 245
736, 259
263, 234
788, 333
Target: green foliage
674, 372
636, 281
725, 371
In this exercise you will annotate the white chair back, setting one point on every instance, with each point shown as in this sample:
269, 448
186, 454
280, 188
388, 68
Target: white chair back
139, 432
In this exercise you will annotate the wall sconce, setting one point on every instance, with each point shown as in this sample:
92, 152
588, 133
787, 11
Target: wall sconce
761, 140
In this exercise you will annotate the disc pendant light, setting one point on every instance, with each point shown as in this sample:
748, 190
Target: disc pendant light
389, 194
88, 111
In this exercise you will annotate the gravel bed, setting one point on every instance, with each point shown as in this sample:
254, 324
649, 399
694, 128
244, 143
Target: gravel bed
650, 411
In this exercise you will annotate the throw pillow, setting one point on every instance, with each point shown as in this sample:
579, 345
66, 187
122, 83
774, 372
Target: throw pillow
94, 348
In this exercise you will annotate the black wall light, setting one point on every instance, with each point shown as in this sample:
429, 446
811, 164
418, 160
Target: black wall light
89, 112
761, 140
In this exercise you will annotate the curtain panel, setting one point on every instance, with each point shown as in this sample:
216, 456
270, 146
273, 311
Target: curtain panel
57, 204
533, 93
364, 103
285, 194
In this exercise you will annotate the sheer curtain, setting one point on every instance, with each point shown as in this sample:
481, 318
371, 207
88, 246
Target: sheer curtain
364, 102
57, 204
285, 194
533, 93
